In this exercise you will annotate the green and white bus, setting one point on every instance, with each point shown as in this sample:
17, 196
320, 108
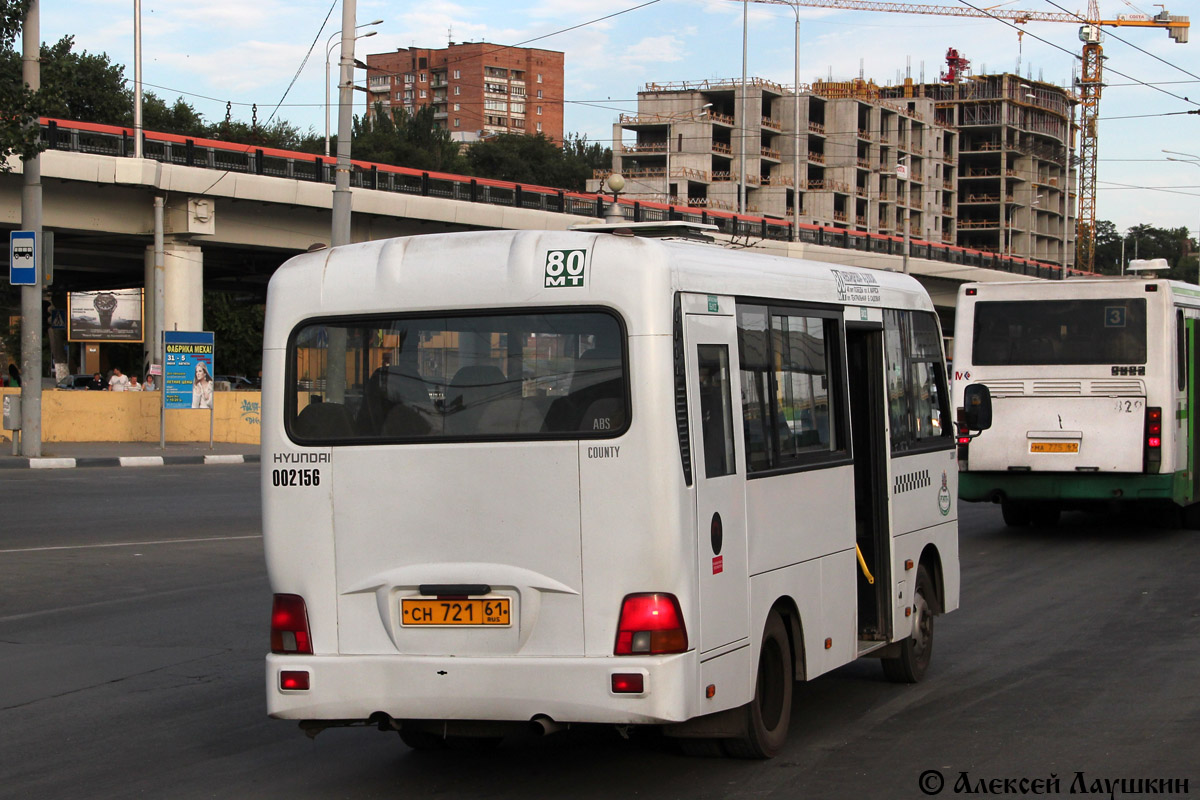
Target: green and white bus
1092, 384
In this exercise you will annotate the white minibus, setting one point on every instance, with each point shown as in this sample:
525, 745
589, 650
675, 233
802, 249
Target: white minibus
1092, 384
548, 478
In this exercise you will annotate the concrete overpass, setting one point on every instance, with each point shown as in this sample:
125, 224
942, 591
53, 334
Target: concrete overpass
235, 212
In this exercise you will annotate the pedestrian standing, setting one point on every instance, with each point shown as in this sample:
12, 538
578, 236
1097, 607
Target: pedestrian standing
118, 382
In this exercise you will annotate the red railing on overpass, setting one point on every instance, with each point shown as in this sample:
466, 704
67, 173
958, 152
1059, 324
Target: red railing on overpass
86, 137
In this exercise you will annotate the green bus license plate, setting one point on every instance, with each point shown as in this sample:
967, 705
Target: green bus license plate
1054, 447
492, 611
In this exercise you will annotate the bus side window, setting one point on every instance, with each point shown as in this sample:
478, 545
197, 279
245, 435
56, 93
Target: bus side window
715, 411
1181, 350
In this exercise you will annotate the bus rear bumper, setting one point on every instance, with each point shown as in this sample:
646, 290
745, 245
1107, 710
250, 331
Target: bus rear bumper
355, 687
993, 487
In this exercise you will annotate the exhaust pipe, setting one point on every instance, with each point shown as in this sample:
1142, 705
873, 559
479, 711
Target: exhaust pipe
543, 725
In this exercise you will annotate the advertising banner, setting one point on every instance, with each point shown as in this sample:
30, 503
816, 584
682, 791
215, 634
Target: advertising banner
188, 370
111, 316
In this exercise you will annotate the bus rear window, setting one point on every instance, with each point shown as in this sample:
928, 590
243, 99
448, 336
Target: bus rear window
1048, 332
489, 376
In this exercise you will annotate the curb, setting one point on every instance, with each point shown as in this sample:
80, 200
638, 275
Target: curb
125, 461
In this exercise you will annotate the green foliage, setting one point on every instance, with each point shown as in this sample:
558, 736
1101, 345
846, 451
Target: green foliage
238, 328
82, 86
12, 12
179, 118
406, 140
1108, 248
17, 102
10, 307
536, 159
1146, 241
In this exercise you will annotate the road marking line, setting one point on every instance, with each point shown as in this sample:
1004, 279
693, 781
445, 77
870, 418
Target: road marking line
141, 461
51, 463
224, 460
128, 544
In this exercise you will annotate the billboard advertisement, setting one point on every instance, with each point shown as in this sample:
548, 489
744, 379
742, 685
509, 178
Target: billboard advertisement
114, 315
188, 369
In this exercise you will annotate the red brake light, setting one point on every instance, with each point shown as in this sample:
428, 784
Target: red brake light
628, 683
1154, 427
289, 625
293, 680
651, 624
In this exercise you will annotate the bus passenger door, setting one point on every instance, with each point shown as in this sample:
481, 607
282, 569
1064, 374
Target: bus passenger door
864, 357
714, 399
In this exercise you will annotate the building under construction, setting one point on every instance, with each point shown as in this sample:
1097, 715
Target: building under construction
982, 163
1016, 166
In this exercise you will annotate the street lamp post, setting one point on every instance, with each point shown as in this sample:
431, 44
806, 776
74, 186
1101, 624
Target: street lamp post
329, 45
796, 124
902, 174
1195, 162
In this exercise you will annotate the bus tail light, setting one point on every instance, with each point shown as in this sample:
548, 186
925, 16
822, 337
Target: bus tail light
651, 624
289, 625
1153, 450
294, 680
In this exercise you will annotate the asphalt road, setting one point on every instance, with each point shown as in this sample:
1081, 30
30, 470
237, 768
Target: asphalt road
136, 670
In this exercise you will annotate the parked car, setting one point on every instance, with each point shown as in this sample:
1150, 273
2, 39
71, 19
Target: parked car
238, 383
74, 382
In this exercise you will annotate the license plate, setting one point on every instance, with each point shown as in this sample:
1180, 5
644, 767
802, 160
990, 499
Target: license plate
482, 612
1054, 447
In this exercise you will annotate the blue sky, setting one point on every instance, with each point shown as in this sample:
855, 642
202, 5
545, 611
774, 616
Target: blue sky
248, 53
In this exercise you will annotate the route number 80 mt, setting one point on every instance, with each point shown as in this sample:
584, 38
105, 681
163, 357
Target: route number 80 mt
565, 267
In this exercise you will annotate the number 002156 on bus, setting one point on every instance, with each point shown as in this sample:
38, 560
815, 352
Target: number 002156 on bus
480, 612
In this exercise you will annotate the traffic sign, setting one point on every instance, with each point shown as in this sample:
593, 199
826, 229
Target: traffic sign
58, 320
22, 258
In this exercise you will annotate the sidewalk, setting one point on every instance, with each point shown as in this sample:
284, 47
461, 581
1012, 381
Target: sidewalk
65, 455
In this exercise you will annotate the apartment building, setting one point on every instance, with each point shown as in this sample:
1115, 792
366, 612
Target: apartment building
1016, 170
982, 164
476, 89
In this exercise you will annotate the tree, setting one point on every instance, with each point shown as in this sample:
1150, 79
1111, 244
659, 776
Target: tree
1147, 242
1108, 248
538, 160
180, 118
238, 328
589, 157
17, 102
406, 140
82, 86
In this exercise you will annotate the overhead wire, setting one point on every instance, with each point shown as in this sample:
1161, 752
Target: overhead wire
1126, 42
1072, 54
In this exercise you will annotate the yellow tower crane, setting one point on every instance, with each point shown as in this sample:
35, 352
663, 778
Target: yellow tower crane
1090, 80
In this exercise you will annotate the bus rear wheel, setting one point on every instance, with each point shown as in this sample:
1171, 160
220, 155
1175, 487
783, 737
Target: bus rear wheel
1045, 515
765, 719
915, 651
1016, 515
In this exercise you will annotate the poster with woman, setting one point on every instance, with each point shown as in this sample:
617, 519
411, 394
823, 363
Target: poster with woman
188, 369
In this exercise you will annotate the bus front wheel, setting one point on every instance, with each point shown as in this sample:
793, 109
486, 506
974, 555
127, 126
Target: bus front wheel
765, 719
915, 651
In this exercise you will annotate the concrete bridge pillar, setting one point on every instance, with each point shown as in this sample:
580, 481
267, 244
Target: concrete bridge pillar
183, 306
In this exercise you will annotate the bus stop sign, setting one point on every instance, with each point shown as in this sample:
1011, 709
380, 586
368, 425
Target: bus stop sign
22, 258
